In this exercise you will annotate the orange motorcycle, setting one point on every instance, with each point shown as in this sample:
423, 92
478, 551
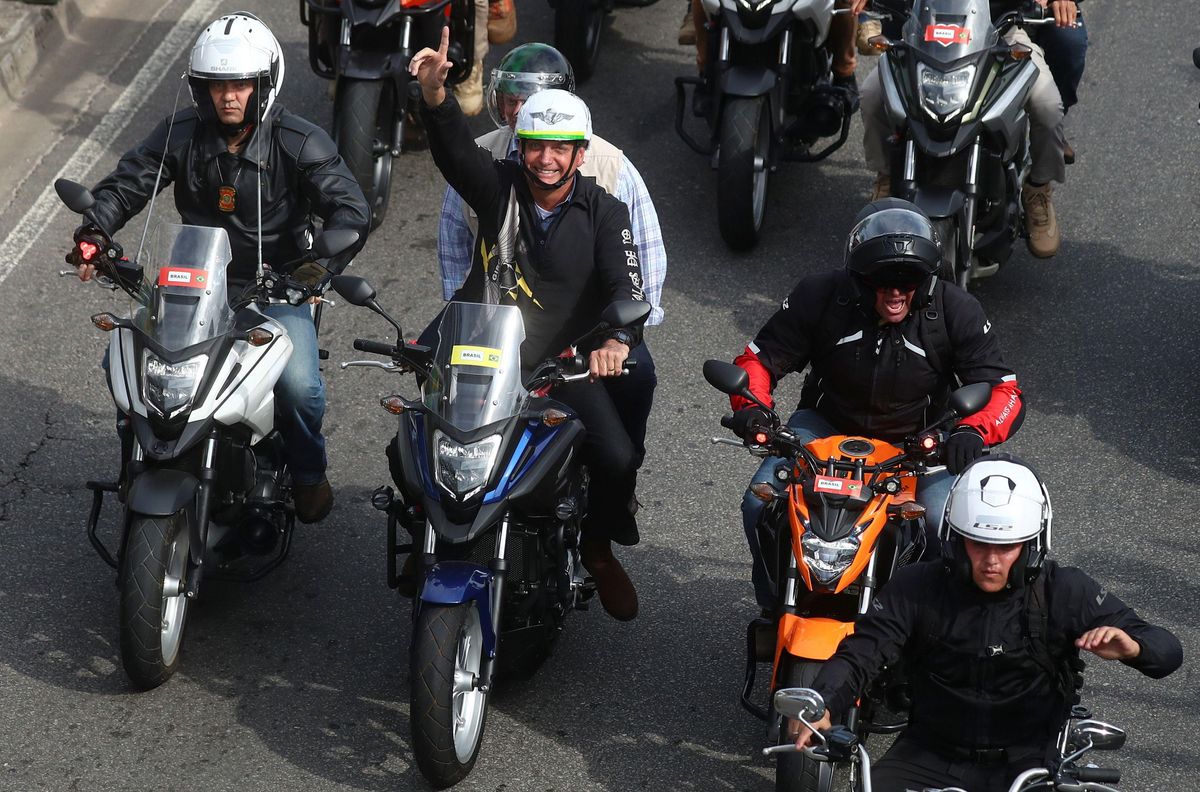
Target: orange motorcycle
844, 521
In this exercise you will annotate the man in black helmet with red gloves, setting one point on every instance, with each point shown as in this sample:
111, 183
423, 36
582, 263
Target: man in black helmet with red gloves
887, 341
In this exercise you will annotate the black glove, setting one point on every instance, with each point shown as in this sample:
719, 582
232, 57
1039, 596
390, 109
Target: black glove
748, 419
964, 447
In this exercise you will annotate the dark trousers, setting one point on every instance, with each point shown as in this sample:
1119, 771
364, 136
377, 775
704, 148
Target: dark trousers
909, 765
1066, 55
614, 414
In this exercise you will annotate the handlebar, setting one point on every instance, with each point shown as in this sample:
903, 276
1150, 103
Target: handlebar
1099, 775
374, 347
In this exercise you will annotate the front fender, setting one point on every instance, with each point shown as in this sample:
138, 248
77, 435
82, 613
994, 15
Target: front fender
458, 582
160, 492
747, 81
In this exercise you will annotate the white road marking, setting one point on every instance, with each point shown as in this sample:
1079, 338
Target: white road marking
18, 241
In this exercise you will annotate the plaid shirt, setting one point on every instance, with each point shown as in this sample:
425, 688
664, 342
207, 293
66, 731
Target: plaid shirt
455, 239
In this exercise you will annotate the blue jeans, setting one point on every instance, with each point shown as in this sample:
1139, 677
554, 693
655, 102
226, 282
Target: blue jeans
1066, 55
300, 396
932, 493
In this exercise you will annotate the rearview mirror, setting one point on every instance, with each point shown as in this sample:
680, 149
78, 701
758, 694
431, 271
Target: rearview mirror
353, 289
75, 196
1103, 736
970, 399
330, 243
625, 313
1196, 57
726, 377
799, 704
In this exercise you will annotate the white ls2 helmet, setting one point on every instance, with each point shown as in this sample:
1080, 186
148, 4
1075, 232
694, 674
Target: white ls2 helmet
238, 46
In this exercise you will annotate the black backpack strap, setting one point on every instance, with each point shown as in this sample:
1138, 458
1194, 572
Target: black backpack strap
836, 318
935, 338
1065, 667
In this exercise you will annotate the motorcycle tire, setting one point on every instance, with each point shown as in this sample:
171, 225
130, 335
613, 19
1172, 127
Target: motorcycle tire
447, 716
742, 170
796, 772
577, 27
364, 119
153, 609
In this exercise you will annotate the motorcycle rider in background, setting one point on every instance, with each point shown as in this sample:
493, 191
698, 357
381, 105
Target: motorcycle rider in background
559, 247
991, 635
1046, 137
495, 23
212, 152
887, 340
522, 72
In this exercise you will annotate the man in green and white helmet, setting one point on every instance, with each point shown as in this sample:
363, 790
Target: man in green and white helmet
559, 248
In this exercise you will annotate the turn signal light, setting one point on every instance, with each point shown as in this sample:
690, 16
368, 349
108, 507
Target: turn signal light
553, 416
929, 442
1020, 52
880, 43
105, 321
764, 491
911, 510
259, 337
393, 404
761, 438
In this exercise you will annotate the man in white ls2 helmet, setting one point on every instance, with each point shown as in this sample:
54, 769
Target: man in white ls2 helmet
234, 136
990, 635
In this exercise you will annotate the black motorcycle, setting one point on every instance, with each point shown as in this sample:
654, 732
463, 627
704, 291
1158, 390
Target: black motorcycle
577, 28
491, 488
767, 97
365, 46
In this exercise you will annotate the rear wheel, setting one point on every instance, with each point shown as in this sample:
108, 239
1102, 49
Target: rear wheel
364, 119
795, 772
447, 710
577, 26
742, 170
153, 605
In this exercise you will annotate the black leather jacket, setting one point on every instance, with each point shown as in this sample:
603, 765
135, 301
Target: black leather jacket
303, 176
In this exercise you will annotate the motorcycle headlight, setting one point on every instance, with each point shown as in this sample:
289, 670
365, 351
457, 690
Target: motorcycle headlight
828, 560
944, 94
754, 13
170, 387
463, 469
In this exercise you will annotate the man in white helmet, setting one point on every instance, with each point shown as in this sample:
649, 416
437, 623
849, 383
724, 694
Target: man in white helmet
234, 135
991, 636
560, 248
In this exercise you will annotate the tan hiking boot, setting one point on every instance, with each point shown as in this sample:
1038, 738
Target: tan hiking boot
502, 21
617, 594
882, 187
687, 29
866, 31
469, 92
313, 502
1041, 223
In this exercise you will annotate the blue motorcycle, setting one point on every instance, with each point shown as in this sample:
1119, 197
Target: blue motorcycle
492, 491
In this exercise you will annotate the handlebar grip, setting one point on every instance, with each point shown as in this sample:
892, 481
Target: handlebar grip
727, 421
374, 347
1099, 775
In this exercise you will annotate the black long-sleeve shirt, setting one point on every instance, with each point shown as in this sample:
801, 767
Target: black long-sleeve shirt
975, 685
585, 260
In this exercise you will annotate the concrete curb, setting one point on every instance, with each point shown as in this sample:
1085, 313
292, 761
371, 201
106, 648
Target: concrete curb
29, 32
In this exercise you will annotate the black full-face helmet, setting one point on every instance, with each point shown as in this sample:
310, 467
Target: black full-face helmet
524, 71
893, 244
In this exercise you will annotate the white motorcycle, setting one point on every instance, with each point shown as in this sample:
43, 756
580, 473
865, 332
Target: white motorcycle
205, 489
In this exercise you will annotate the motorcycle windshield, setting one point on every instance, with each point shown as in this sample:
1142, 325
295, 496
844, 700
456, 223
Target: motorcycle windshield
947, 30
476, 374
184, 297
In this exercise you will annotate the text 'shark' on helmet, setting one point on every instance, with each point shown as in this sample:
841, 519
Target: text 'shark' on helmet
893, 242
524, 71
237, 46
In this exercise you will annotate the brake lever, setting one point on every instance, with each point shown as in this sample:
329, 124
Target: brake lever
373, 364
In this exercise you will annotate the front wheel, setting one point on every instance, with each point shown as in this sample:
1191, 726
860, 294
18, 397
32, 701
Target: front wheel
796, 772
947, 231
743, 164
577, 25
153, 605
364, 120
447, 709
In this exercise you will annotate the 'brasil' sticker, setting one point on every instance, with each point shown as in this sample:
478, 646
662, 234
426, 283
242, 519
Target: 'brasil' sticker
837, 486
947, 34
475, 356
181, 276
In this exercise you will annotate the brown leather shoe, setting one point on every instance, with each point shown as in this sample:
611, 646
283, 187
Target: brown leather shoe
882, 188
1041, 222
687, 29
1068, 153
617, 594
313, 501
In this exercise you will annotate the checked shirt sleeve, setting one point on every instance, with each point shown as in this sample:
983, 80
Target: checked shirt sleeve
647, 234
454, 244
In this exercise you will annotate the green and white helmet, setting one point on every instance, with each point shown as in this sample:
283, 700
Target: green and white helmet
554, 114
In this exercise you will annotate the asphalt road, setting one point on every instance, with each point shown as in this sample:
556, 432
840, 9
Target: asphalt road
299, 681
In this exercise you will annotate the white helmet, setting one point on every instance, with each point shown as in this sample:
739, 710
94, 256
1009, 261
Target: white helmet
554, 114
238, 46
999, 500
